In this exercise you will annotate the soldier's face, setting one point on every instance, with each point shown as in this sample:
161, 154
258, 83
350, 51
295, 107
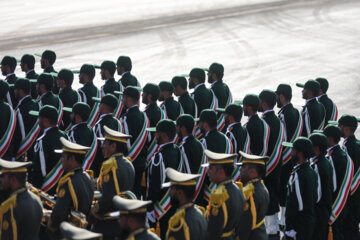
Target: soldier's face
158, 138
108, 148
3, 70
144, 97
42, 123
5, 183
65, 161
244, 173
305, 93
22, 66
17, 94
72, 117
209, 74
102, 73
246, 110
191, 83
42, 63
81, 78
123, 221
278, 102
212, 173
227, 120
162, 97
178, 130
261, 109
174, 200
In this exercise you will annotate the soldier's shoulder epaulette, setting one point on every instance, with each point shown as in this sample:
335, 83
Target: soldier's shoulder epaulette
177, 221
7, 204
108, 165
202, 209
218, 196
129, 158
65, 179
240, 185
248, 190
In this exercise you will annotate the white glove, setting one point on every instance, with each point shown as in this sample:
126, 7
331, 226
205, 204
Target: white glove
291, 234
151, 216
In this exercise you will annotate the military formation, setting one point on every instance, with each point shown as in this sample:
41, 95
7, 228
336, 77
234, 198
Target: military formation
89, 164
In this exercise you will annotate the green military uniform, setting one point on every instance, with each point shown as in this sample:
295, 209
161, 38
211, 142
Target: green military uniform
117, 175
171, 107
47, 98
226, 202
69, 231
203, 97
87, 92
188, 222
51, 56
220, 89
110, 85
331, 111
152, 110
31, 74
186, 102
130, 208
127, 79
251, 224
19, 207
10, 78
324, 171
75, 190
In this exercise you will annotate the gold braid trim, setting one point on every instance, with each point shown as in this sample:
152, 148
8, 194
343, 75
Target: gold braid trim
177, 222
224, 208
108, 166
67, 179
6, 206
218, 196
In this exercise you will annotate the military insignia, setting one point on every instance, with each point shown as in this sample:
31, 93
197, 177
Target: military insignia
61, 193
5, 225
106, 178
215, 211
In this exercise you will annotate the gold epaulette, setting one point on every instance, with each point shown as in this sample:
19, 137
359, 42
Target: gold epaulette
108, 165
202, 209
64, 180
177, 222
67, 179
6, 206
248, 190
218, 196
129, 158
240, 185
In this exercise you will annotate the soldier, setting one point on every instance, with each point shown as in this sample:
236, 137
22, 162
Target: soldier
220, 89
292, 121
67, 95
188, 221
107, 74
75, 190
257, 127
342, 180
331, 111
186, 102
117, 175
302, 192
48, 58
203, 97
133, 219
21, 212
351, 145
27, 65
168, 155
107, 106
8, 65
135, 123
123, 67
274, 163
251, 224
313, 112
226, 200
69, 231
171, 108
47, 165
324, 171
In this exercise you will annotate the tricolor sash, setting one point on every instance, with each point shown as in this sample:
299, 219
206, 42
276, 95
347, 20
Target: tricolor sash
246, 149
355, 182
276, 154
60, 112
334, 113
94, 114
29, 139
6, 139
90, 155
343, 193
200, 180
139, 143
52, 177
221, 121
266, 137
286, 155
120, 106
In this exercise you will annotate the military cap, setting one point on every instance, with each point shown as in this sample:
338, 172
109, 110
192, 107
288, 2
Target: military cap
115, 135
333, 131
251, 100
208, 115
301, 144
152, 89
23, 83
198, 73
284, 89
69, 231
28, 59
179, 179
49, 55
319, 139
66, 75
348, 120
268, 96
179, 80
217, 68
4, 88
71, 147
83, 109
324, 84
46, 79
312, 85
129, 206
219, 158
13, 167
185, 120
133, 92
166, 125
166, 86
108, 65
124, 61
46, 111
234, 110
88, 69
252, 159
10, 61
109, 100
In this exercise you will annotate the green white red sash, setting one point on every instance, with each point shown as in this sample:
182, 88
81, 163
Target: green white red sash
246, 149
6, 139
28, 141
94, 114
200, 180
355, 182
52, 177
334, 113
286, 155
120, 106
139, 143
221, 121
154, 147
266, 137
90, 155
60, 112
343, 193
276, 154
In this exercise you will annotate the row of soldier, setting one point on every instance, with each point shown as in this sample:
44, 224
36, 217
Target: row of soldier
151, 153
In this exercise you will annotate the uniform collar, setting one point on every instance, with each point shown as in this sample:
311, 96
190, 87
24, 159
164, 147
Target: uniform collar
331, 148
318, 97
185, 206
230, 125
267, 111
165, 144
199, 85
21, 100
123, 74
9, 74
31, 70
227, 181
213, 83
283, 107
128, 109
309, 100
104, 115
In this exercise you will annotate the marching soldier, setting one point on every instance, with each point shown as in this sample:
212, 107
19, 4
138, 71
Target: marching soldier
220, 89
251, 224
48, 58
75, 190
302, 192
257, 127
107, 106
8, 65
67, 95
27, 65
107, 74
46, 161
324, 171
274, 163
167, 156
171, 107
226, 200
331, 111
117, 175
123, 67
186, 102
69, 231
313, 112
188, 222
203, 97
133, 219
21, 212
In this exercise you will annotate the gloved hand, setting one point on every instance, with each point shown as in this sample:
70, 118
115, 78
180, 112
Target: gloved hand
151, 216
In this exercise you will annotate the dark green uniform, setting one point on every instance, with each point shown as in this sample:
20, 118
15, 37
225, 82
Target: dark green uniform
110, 86
324, 171
142, 234
153, 112
202, 96
172, 108
237, 135
255, 128
11, 79
26, 216
68, 97
248, 228
313, 114
215, 141
81, 134
5, 109
187, 221
301, 200
51, 69
33, 75
49, 98
188, 104
330, 108
222, 92
111, 186
87, 92
127, 79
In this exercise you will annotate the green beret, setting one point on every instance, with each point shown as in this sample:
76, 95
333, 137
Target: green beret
82, 109
198, 73
312, 85
110, 100
152, 89
179, 80
320, 140
166, 86
124, 61
88, 69
333, 131
49, 55
284, 89
108, 65
217, 68
186, 120
24, 84
251, 100
66, 75
324, 84
208, 116
49, 112
304, 145
28, 59
234, 110
10, 61
269, 97
46, 79
166, 126
133, 92
4, 88
348, 120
